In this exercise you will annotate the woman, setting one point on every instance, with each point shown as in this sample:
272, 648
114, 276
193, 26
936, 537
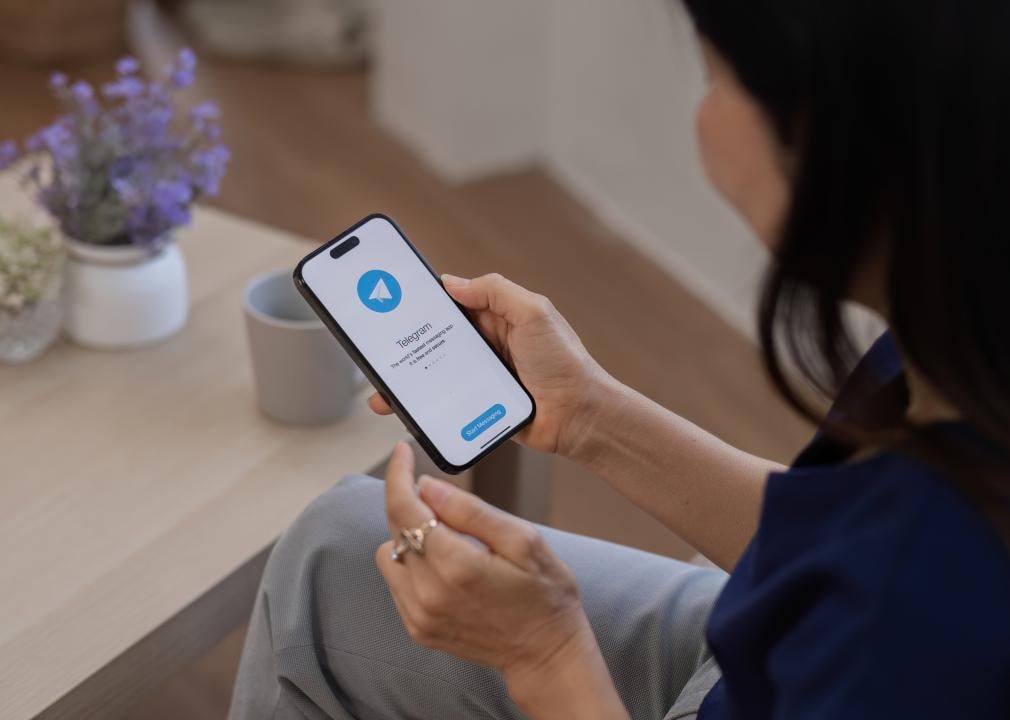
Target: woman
866, 144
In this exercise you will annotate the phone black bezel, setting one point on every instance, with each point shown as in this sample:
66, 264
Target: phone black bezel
373, 377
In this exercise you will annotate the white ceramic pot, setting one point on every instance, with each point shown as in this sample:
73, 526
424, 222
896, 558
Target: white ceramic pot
123, 296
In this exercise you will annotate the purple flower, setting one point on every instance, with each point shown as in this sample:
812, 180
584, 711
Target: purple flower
204, 112
127, 66
124, 87
186, 59
185, 67
182, 79
154, 123
169, 207
169, 193
121, 164
57, 81
209, 167
8, 153
82, 91
124, 190
56, 139
122, 167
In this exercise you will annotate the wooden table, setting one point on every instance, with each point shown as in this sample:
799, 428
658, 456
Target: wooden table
141, 491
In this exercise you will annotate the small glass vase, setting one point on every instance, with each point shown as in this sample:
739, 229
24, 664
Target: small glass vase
27, 333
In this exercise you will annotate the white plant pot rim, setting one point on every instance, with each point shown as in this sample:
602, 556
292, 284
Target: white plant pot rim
98, 254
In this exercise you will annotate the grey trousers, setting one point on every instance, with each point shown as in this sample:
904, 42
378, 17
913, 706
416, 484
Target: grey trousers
325, 640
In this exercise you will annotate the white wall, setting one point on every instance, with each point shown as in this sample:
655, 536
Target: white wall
600, 92
462, 81
623, 85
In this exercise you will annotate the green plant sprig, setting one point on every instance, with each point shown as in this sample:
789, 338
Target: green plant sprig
31, 265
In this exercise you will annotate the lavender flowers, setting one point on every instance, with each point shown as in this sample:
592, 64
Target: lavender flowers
123, 166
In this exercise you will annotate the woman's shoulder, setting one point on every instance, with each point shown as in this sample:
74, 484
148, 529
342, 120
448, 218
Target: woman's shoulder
887, 565
938, 605
892, 496
896, 530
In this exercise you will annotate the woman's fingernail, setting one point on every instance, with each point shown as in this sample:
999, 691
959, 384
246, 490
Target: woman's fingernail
454, 281
433, 491
403, 450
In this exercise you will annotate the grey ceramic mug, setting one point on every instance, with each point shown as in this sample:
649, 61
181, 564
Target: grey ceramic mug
303, 376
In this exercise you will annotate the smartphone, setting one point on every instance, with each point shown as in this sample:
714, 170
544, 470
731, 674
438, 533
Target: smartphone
415, 344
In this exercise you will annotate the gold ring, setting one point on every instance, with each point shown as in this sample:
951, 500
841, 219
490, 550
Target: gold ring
413, 540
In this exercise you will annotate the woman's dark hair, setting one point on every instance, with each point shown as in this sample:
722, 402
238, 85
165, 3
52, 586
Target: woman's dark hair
897, 117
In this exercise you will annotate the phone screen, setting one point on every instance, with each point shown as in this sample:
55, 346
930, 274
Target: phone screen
431, 359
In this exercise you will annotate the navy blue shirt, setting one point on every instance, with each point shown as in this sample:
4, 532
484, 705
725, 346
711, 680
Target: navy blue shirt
872, 589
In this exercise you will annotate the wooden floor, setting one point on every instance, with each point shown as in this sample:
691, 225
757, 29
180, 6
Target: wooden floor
307, 158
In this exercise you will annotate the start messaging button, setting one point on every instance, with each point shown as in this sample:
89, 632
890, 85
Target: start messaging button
489, 417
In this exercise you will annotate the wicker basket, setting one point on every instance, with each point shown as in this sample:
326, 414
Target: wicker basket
50, 31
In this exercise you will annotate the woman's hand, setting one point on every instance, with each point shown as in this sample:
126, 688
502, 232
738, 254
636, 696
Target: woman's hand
505, 601
545, 352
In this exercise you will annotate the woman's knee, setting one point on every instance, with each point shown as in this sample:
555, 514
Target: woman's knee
337, 532
324, 565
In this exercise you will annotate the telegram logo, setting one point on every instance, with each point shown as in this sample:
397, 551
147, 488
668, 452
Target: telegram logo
379, 291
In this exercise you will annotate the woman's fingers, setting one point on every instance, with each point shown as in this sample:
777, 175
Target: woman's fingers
404, 508
499, 295
379, 405
400, 582
455, 575
514, 539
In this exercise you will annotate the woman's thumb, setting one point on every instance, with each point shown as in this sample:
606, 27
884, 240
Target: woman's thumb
494, 293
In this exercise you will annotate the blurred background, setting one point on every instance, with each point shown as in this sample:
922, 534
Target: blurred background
549, 140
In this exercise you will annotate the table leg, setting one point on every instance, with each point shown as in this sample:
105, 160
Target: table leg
516, 480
